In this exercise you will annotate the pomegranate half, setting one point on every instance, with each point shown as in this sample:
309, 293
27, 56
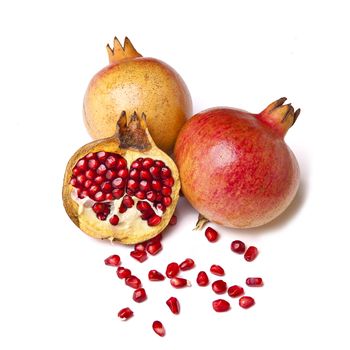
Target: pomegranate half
235, 167
134, 83
122, 188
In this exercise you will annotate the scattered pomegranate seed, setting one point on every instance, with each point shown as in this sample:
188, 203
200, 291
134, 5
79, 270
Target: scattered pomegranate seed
154, 248
219, 286
251, 253
217, 270
140, 246
178, 282
114, 220
113, 260
174, 305
125, 313
187, 264
157, 238
133, 282
235, 291
211, 234
173, 220
154, 275
221, 305
246, 302
158, 328
122, 272
172, 270
139, 295
238, 247
202, 279
139, 255
254, 282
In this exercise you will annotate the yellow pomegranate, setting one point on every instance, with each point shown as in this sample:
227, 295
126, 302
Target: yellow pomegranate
133, 83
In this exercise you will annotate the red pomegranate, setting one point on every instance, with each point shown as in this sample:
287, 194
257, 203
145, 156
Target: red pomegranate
235, 167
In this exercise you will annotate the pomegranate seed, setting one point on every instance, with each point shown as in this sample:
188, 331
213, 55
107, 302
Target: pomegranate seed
74, 182
109, 197
154, 220
125, 313
238, 247
111, 174
211, 234
133, 282
166, 191
106, 187
145, 175
246, 302
101, 216
202, 279
158, 328
147, 214
139, 255
140, 195
134, 174
123, 173
251, 253
219, 286
143, 206
111, 161
93, 190
154, 248
98, 207
128, 201
100, 196
122, 272
114, 220
173, 220
90, 174
139, 295
140, 246
82, 164
165, 172
167, 201
102, 156
168, 182
101, 170
159, 198
133, 185
235, 291
82, 194
174, 305
155, 172
217, 270
81, 179
90, 156
88, 183
178, 282
154, 275
187, 264
113, 260
254, 282
118, 183
151, 196
147, 163
121, 163
221, 305
99, 179
118, 193
93, 164
172, 270
157, 238
144, 185
159, 163
136, 164
156, 185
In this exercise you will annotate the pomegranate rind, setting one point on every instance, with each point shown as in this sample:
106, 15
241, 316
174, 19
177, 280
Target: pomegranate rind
128, 234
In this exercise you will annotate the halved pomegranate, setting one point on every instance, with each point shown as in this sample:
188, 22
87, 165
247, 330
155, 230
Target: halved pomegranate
122, 188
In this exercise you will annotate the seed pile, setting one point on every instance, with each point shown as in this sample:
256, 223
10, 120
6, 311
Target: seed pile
172, 272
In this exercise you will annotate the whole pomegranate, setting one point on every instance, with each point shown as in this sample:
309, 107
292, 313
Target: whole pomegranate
134, 83
123, 187
235, 167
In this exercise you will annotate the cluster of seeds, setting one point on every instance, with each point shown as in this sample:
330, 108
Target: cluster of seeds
173, 271
105, 177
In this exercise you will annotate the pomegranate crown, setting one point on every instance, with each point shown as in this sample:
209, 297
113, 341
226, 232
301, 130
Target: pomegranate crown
120, 52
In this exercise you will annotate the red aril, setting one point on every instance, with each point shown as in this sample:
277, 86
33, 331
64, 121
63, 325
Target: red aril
217, 270
122, 272
113, 260
125, 313
173, 305
133, 282
221, 305
139, 255
235, 291
172, 270
140, 246
251, 253
173, 220
243, 173
154, 275
187, 264
158, 328
246, 302
238, 247
202, 279
254, 282
139, 295
211, 234
219, 286
178, 282
154, 247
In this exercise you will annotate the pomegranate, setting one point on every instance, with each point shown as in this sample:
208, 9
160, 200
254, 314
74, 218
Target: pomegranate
113, 187
235, 167
134, 83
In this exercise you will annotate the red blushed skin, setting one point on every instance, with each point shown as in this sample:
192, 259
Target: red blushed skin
238, 172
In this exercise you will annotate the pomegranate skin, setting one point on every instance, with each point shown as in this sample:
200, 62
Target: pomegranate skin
235, 167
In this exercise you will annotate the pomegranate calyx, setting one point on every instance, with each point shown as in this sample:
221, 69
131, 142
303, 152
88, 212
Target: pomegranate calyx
120, 52
201, 222
279, 116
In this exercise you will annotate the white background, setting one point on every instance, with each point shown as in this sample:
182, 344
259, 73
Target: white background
56, 292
